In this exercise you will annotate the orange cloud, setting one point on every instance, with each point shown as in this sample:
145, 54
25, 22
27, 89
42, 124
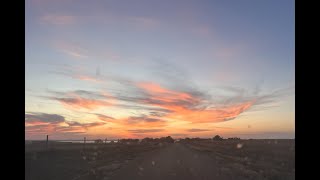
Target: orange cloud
160, 93
79, 102
211, 115
84, 99
183, 106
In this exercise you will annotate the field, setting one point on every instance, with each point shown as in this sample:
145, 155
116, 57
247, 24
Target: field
186, 160
75, 161
253, 159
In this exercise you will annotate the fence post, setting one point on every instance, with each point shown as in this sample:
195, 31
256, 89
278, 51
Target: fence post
47, 141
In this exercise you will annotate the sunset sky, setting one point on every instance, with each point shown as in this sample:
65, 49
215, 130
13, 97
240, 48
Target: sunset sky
151, 68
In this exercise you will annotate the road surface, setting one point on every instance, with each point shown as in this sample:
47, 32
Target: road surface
171, 163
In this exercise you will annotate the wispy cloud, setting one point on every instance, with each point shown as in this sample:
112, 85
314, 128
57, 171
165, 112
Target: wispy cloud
141, 131
104, 117
82, 99
41, 123
71, 49
31, 118
81, 51
74, 53
58, 19
158, 105
171, 104
198, 130
85, 126
76, 74
134, 119
185, 106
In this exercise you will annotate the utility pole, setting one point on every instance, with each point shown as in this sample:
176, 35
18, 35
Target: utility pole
47, 141
84, 143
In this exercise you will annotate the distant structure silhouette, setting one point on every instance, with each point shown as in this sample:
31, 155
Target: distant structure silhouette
98, 141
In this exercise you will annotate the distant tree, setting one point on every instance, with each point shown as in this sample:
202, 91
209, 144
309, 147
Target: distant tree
217, 138
128, 141
146, 140
162, 139
169, 139
234, 138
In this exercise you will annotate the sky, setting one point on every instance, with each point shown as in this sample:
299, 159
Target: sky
149, 68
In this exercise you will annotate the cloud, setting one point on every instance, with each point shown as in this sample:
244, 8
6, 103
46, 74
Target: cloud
198, 130
154, 111
142, 121
170, 104
159, 96
138, 131
84, 125
188, 107
43, 123
80, 51
56, 19
76, 54
76, 73
181, 101
157, 114
43, 118
218, 127
134, 119
82, 99
104, 117
79, 102
71, 49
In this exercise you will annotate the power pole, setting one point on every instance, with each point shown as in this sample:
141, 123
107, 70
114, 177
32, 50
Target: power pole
47, 141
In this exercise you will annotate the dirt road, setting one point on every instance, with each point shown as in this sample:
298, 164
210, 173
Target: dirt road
171, 163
